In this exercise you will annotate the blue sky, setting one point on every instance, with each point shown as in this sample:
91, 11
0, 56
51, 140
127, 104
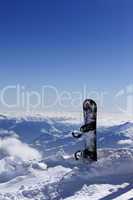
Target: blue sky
67, 44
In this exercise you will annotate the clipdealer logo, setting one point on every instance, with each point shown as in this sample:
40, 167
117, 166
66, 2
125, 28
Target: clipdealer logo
24, 98
17, 96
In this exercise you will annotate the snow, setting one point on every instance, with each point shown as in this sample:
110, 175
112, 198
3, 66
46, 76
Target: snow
15, 148
128, 141
42, 167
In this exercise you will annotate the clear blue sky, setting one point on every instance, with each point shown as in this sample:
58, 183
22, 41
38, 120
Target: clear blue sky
67, 43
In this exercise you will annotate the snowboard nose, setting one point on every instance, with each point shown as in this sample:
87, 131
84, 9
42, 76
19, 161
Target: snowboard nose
89, 105
86, 105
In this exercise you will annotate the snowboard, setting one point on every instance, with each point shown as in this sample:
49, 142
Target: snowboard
88, 132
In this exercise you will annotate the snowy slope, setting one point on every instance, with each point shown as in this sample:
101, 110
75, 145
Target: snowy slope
24, 159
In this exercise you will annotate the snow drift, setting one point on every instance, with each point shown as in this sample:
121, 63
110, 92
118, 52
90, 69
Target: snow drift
15, 157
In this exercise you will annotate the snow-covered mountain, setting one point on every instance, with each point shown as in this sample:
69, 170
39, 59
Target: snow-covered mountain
30, 128
36, 160
117, 136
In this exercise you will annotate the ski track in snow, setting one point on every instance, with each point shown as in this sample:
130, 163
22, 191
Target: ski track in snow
111, 177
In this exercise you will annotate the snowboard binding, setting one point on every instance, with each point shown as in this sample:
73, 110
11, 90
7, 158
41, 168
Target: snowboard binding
76, 134
88, 127
85, 154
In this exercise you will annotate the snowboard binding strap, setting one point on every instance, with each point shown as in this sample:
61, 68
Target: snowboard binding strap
88, 127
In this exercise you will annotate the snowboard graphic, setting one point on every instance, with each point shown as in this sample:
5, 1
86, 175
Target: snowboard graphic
88, 131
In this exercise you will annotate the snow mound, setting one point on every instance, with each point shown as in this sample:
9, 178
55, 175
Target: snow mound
14, 147
11, 167
113, 166
16, 158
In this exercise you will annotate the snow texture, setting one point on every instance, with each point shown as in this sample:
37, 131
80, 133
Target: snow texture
36, 161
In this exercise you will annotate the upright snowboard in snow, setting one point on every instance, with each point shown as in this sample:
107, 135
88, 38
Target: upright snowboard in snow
88, 131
